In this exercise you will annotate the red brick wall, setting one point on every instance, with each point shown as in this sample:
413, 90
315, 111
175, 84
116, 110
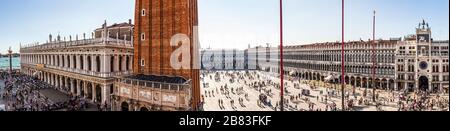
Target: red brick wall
163, 19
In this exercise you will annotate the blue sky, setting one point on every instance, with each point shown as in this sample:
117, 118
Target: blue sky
229, 23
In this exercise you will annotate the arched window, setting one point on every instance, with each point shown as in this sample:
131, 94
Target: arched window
128, 63
63, 61
74, 61
112, 64
97, 59
120, 63
81, 62
89, 61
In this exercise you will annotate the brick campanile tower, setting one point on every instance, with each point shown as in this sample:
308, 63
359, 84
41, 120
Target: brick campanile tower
156, 21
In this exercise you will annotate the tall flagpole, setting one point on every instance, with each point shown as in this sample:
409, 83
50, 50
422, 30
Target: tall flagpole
281, 56
343, 59
373, 58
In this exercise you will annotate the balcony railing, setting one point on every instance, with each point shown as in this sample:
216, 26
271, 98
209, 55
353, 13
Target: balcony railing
157, 85
66, 44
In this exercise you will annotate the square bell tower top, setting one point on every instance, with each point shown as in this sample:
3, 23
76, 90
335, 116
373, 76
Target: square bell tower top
423, 32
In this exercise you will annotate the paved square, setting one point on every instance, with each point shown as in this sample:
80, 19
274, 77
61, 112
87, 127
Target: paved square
223, 91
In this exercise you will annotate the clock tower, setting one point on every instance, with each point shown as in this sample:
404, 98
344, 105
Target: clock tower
423, 56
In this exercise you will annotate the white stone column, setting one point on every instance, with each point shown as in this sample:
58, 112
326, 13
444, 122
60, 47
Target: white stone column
78, 87
388, 86
72, 86
85, 89
94, 63
124, 63
51, 79
45, 77
57, 81
106, 64
66, 83
94, 93
61, 79
367, 83
61, 61
54, 80
116, 63
406, 85
106, 94
67, 61
50, 59
395, 85
361, 83
86, 63
78, 66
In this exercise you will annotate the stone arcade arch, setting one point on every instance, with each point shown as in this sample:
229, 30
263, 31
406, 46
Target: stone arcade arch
74, 58
144, 109
120, 63
127, 63
89, 61
98, 63
111, 64
81, 62
98, 93
424, 83
89, 91
124, 106
82, 89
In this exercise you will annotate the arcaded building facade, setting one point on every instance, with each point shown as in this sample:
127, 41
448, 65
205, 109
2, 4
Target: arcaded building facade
155, 84
83, 66
410, 63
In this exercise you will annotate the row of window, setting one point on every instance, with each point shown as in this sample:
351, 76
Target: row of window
348, 58
66, 61
411, 68
413, 60
337, 68
436, 78
410, 47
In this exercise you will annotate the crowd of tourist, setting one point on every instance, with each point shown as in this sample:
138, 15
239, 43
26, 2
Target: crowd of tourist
23, 93
326, 96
